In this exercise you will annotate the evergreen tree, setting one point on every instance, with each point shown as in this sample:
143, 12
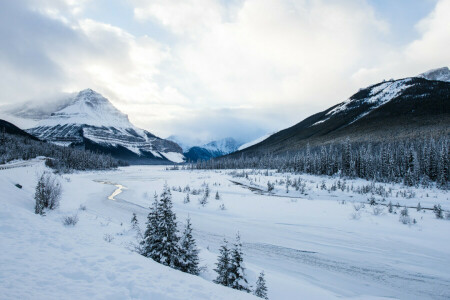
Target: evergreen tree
168, 249
261, 289
186, 199
152, 237
188, 257
134, 222
223, 265
238, 279
217, 195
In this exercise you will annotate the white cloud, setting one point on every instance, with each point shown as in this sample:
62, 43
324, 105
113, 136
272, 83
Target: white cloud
239, 68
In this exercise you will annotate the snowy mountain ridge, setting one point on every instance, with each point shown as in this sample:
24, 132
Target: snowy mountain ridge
89, 108
225, 146
378, 95
395, 109
441, 74
92, 121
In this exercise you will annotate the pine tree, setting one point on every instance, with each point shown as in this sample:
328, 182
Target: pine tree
217, 195
186, 199
167, 230
223, 265
152, 238
237, 267
261, 289
188, 257
134, 222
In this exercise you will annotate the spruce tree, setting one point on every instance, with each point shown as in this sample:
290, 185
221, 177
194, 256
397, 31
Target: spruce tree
223, 265
238, 279
188, 257
168, 249
217, 195
152, 238
261, 289
134, 222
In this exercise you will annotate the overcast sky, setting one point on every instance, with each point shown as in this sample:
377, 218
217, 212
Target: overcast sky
215, 68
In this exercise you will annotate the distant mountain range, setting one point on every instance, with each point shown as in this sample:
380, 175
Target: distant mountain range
389, 110
209, 150
90, 121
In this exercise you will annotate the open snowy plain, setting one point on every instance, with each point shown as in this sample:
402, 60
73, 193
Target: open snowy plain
317, 242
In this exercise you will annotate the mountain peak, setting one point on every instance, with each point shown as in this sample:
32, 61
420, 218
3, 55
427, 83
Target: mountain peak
441, 74
89, 108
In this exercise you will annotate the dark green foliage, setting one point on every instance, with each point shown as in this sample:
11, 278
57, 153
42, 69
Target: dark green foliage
261, 289
166, 251
238, 278
409, 161
188, 253
63, 159
223, 265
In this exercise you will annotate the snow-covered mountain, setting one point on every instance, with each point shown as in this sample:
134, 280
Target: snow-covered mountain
254, 142
212, 149
441, 74
389, 110
90, 120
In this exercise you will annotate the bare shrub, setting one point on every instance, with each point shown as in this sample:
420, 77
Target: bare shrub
48, 193
108, 237
358, 207
377, 210
355, 216
70, 220
405, 219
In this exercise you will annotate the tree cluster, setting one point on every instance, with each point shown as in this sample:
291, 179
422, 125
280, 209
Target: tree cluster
162, 241
60, 158
413, 162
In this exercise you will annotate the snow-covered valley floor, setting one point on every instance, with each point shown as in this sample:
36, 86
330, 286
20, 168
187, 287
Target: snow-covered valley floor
311, 245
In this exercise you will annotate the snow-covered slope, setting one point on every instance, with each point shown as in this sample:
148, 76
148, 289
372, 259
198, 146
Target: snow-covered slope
40, 258
377, 96
90, 119
441, 74
254, 142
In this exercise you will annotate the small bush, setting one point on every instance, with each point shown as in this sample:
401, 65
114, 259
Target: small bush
438, 211
82, 207
377, 210
108, 238
70, 220
358, 207
405, 219
222, 207
47, 194
355, 216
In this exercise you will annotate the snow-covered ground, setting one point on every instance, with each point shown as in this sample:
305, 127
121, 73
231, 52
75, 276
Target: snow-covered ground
311, 245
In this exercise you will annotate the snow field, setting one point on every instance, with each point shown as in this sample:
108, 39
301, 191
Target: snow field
309, 245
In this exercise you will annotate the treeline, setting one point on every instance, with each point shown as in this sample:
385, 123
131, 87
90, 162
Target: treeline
61, 158
413, 162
